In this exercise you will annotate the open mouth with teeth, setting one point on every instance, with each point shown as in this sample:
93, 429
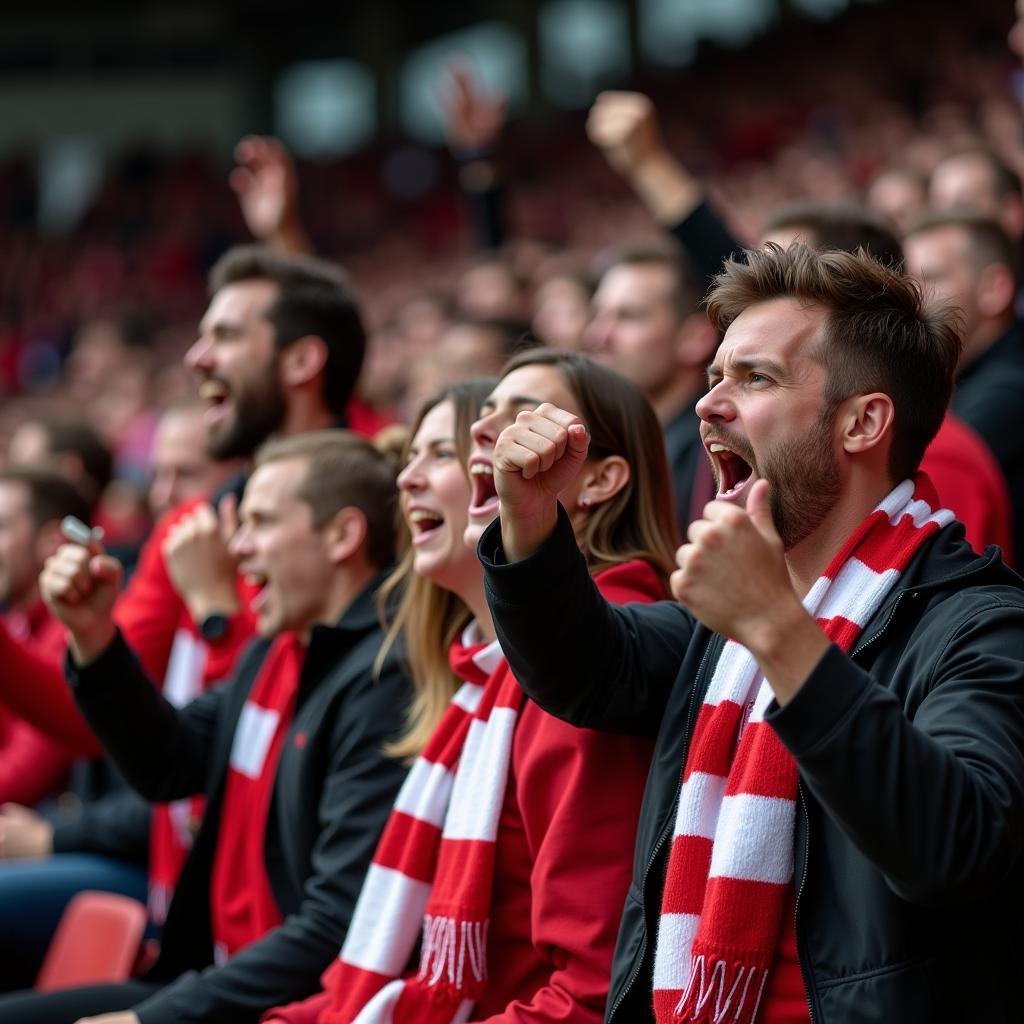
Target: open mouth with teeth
732, 471
216, 394
424, 524
257, 582
484, 501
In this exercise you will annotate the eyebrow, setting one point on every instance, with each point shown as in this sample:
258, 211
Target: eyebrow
750, 363
431, 442
515, 400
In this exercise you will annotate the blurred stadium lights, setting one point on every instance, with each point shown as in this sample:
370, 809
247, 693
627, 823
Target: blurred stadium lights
671, 29
495, 53
584, 47
325, 107
70, 169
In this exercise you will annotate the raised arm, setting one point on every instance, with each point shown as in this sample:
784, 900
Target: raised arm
163, 753
581, 658
624, 126
267, 185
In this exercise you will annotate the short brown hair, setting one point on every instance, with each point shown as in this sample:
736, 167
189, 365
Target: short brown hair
879, 334
344, 470
988, 242
846, 226
314, 298
51, 496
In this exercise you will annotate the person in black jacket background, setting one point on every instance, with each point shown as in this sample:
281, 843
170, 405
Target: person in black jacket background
908, 833
288, 751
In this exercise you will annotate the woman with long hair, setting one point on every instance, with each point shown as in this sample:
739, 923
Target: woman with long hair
507, 859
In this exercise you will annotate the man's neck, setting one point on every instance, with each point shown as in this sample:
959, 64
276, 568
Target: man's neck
302, 417
808, 559
350, 582
24, 603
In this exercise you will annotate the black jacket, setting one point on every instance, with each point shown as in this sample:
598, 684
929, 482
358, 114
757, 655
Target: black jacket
332, 795
989, 396
911, 758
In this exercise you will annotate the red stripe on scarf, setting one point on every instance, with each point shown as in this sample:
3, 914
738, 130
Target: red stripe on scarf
410, 846
711, 965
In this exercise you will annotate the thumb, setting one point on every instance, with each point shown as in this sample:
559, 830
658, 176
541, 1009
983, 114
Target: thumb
227, 510
105, 569
760, 510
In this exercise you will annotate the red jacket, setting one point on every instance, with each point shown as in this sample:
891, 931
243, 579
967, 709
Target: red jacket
971, 484
564, 858
32, 765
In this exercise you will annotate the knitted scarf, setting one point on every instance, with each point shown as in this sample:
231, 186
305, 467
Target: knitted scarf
432, 874
731, 861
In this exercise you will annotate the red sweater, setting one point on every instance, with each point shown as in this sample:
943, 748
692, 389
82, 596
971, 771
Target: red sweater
32, 765
564, 859
971, 484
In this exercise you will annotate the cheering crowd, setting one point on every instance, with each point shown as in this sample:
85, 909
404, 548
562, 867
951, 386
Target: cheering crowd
564, 640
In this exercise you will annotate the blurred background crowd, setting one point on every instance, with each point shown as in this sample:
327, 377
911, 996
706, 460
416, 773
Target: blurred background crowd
442, 158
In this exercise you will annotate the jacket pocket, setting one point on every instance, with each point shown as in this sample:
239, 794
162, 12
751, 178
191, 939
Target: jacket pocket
907, 993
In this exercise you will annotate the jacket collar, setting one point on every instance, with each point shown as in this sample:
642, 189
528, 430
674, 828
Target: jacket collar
946, 562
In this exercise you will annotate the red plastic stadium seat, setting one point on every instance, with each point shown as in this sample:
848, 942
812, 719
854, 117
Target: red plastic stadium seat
97, 941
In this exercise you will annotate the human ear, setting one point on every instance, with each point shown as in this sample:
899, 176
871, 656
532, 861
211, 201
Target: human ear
995, 290
303, 360
603, 479
866, 421
345, 533
696, 340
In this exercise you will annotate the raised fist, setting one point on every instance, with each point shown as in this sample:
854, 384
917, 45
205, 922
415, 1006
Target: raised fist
625, 127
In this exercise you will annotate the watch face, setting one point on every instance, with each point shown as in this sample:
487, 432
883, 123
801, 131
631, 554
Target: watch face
214, 626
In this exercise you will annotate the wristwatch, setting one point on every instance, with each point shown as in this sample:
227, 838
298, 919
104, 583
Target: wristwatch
213, 626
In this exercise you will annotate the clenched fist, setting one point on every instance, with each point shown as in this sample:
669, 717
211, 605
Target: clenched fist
199, 561
80, 585
535, 459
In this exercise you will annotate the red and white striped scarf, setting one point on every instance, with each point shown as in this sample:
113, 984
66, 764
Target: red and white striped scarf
731, 861
432, 875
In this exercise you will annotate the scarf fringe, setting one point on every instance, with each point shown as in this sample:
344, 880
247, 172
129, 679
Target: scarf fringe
453, 957
737, 988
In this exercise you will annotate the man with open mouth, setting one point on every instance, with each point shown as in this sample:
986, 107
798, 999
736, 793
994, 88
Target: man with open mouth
288, 752
833, 826
278, 353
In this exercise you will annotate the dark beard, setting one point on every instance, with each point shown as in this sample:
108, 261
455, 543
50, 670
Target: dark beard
259, 412
804, 480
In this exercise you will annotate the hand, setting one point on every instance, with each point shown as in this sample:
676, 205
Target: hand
267, 185
733, 577
472, 120
624, 126
124, 1017
24, 833
199, 561
535, 459
79, 585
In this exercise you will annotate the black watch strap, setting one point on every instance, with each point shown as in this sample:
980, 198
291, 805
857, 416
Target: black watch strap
213, 626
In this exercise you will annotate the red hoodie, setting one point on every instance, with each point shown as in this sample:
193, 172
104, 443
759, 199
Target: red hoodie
564, 859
